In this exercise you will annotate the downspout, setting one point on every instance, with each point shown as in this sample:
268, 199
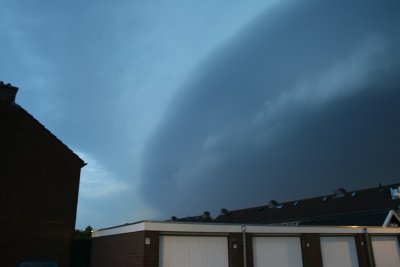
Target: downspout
244, 246
369, 251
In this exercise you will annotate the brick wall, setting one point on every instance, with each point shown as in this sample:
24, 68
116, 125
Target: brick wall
125, 250
249, 246
235, 250
311, 250
38, 190
152, 250
121, 250
363, 245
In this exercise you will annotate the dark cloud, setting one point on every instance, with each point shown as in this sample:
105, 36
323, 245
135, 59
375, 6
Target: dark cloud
99, 74
302, 101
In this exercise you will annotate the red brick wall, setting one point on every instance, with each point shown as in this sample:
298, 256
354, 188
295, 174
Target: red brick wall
311, 250
121, 250
125, 250
363, 244
235, 254
249, 246
152, 251
38, 190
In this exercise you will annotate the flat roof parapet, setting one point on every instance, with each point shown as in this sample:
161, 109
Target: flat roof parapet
184, 227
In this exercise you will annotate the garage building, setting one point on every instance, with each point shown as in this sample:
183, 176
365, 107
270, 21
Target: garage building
175, 244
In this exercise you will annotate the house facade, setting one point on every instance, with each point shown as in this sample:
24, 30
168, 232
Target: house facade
39, 183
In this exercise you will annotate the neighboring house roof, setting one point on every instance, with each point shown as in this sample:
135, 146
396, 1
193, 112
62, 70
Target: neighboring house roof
206, 217
365, 207
392, 219
7, 101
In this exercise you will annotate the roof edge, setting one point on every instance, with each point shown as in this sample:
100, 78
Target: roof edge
183, 228
47, 131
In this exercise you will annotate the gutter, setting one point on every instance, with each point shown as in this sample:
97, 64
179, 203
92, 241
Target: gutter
244, 246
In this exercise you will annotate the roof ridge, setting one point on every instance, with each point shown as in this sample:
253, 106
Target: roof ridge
321, 196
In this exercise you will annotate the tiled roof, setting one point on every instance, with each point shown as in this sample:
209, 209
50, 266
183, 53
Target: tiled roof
25, 115
362, 207
206, 217
369, 218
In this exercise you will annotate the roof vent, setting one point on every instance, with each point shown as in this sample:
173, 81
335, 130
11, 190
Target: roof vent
273, 204
340, 192
8, 92
395, 192
224, 211
206, 215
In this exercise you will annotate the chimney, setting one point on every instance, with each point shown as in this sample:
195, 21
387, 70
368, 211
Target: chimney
7, 92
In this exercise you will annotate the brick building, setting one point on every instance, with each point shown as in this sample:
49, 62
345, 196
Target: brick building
357, 228
39, 183
376, 206
176, 244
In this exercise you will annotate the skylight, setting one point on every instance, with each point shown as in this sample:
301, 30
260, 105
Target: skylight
395, 192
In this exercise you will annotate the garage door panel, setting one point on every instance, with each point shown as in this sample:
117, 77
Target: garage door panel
386, 251
339, 251
194, 251
277, 252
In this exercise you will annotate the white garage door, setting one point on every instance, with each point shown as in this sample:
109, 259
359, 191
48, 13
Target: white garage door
193, 251
277, 252
386, 251
339, 251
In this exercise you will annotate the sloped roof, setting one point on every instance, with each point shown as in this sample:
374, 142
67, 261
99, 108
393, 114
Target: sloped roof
206, 217
25, 115
363, 207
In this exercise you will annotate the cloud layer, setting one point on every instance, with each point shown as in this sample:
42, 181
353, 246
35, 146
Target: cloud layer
99, 74
299, 103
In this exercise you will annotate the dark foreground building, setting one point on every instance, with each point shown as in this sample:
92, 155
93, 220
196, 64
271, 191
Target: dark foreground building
39, 183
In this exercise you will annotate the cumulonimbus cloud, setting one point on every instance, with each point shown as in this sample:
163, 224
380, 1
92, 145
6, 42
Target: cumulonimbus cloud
302, 101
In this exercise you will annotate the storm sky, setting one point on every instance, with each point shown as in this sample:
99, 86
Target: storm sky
184, 106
